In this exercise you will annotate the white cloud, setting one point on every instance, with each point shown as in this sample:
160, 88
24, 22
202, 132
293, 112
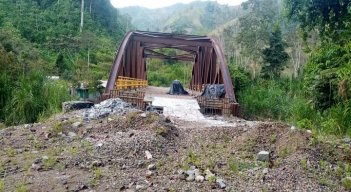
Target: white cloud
163, 3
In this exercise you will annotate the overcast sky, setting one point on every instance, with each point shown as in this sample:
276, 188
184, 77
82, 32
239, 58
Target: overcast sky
163, 3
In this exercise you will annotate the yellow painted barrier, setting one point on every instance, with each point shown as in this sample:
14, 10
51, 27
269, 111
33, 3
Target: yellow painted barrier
127, 83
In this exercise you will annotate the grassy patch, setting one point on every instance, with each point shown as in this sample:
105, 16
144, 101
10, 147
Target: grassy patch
49, 163
151, 118
346, 182
97, 176
237, 166
303, 163
11, 152
131, 118
21, 187
57, 128
193, 159
2, 186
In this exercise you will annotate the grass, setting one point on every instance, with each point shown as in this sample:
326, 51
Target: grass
131, 118
49, 163
193, 159
237, 166
21, 187
303, 163
97, 176
11, 152
346, 182
291, 105
57, 128
2, 186
151, 118
34, 98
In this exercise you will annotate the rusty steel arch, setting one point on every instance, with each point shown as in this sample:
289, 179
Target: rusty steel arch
209, 67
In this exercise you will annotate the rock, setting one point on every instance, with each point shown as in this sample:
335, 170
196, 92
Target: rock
76, 105
27, 126
220, 183
346, 140
36, 167
143, 115
199, 178
48, 135
149, 174
180, 171
190, 172
293, 128
99, 145
190, 178
139, 187
97, 163
140, 163
76, 125
72, 134
151, 167
106, 108
263, 156
265, 171
45, 157
197, 172
148, 155
82, 187
190, 175
309, 131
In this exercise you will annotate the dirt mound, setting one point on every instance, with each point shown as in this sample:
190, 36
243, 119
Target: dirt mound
113, 153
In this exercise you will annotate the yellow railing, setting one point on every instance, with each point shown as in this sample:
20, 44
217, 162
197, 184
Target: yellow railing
125, 83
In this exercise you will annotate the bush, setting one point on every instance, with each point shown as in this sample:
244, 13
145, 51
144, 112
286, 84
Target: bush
285, 100
34, 97
265, 99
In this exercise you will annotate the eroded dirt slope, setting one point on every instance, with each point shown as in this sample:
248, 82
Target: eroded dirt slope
67, 153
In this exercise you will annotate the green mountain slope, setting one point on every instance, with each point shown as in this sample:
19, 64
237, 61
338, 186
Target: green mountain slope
196, 18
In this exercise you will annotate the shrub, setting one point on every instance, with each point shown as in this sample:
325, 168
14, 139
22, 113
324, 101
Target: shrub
35, 97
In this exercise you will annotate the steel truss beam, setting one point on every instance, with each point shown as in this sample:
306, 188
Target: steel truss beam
210, 66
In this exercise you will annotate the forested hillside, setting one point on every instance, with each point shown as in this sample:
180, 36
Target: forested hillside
52, 38
198, 17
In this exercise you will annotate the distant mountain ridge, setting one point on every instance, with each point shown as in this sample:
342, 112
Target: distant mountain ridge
199, 17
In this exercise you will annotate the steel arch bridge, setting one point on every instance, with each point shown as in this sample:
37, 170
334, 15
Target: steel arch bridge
209, 67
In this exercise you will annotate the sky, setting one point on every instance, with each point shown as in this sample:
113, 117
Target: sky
163, 3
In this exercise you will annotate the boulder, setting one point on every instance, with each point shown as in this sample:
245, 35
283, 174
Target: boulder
263, 156
199, 178
220, 183
76, 125
190, 178
151, 167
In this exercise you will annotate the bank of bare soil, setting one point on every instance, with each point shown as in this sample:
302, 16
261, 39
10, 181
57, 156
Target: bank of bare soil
67, 153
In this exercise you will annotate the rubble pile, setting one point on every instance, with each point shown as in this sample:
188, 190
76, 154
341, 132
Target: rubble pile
106, 108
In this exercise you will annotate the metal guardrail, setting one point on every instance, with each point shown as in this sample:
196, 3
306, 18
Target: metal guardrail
128, 83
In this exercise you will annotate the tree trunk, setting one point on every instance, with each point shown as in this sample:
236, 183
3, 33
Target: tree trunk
88, 58
82, 16
91, 1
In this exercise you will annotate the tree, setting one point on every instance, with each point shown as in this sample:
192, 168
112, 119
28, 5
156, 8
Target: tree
254, 30
331, 18
275, 58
